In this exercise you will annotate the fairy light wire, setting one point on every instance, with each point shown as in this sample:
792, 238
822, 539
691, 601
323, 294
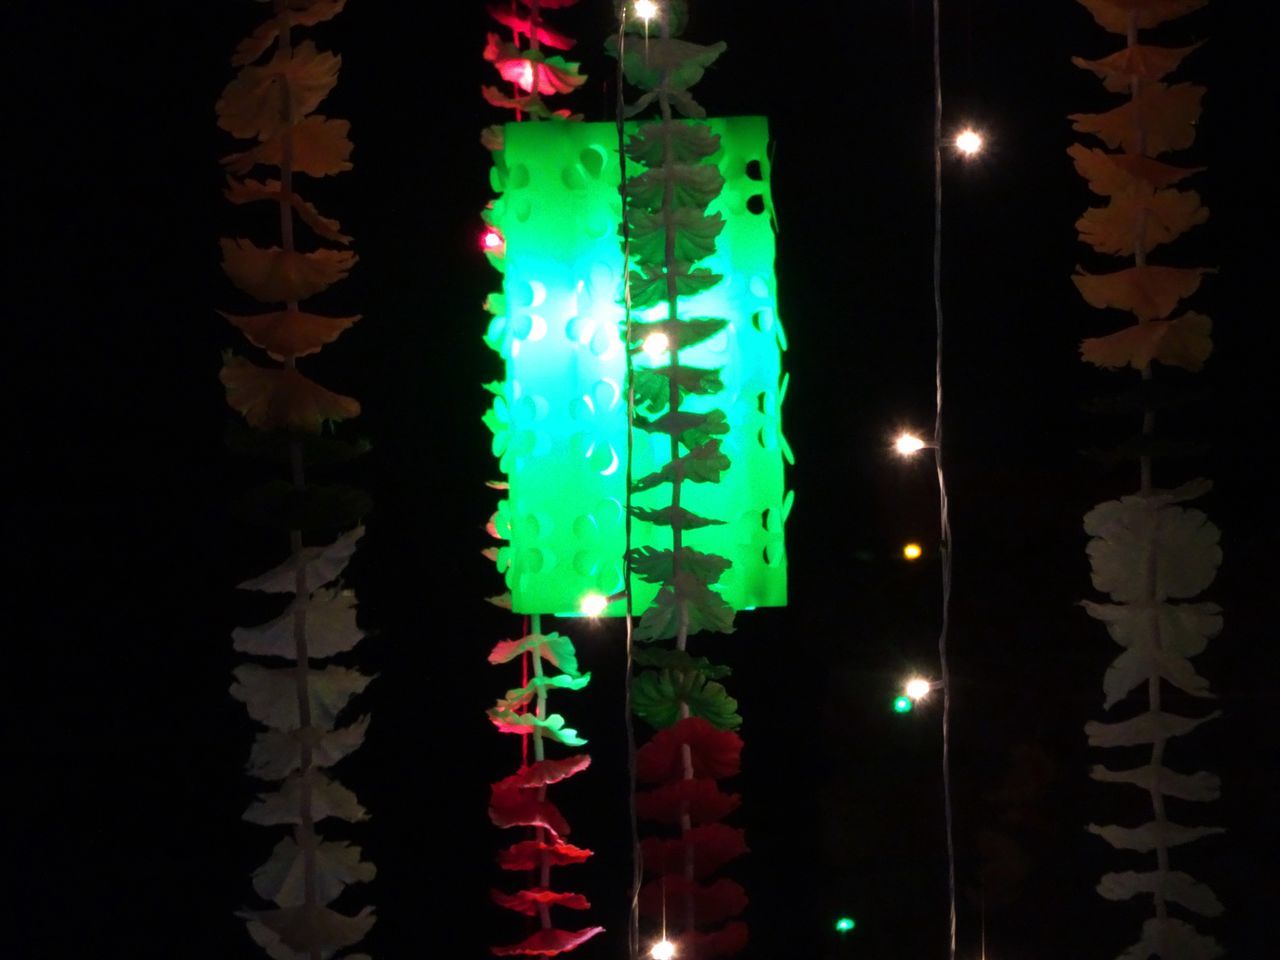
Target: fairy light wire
945, 550
637, 859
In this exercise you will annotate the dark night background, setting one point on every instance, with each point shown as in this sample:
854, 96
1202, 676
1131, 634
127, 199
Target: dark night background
122, 749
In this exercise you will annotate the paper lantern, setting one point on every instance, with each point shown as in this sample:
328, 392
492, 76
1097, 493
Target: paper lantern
559, 417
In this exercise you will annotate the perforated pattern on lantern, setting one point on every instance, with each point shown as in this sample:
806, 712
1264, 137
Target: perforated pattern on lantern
560, 415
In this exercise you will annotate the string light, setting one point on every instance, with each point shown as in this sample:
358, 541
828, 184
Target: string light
593, 604
969, 142
491, 241
912, 551
917, 688
902, 704
944, 509
845, 924
646, 10
656, 344
663, 950
908, 444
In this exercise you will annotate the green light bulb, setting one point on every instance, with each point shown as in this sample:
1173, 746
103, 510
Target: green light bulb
902, 705
845, 924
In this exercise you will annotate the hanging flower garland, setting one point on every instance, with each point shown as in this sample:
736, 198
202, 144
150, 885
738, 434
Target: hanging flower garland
531, 72
679, 695
272, 101
520, 800
548, 661
1148, 552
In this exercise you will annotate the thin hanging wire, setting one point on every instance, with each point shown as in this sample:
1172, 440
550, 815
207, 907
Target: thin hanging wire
637, 861
944, 511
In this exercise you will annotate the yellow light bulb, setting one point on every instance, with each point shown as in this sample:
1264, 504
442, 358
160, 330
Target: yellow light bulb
646, 10
969, 142
593, 604
912, 551
656, 344
908, 444
663, 950
918, 688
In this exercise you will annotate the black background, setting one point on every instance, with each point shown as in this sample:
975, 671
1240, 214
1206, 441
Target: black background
123, 750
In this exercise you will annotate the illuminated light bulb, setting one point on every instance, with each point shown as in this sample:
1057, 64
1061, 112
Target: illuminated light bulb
912, 551
902, 704
656, 344
491, 240
663, 949
908, 444
646, 10
917, 688
845, 924
969, 142
593, 604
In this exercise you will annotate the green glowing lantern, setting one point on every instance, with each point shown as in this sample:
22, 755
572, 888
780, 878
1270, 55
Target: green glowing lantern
560, 415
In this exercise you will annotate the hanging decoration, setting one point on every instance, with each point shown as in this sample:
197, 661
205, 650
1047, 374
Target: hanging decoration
559, 417
1151, 554
272, 102
520, 800
704, 516
697, 460
532, 74
548, 661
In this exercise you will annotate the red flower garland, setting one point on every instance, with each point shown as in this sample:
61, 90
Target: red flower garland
680, 867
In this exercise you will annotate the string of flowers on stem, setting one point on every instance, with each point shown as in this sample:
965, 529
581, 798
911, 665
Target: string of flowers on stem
286, 414
1146, 550
695, 745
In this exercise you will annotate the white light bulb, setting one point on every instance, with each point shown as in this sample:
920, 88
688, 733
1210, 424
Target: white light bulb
969, 142
907, 444
646, 10
656, 344
663, 950
918, 688
593, 604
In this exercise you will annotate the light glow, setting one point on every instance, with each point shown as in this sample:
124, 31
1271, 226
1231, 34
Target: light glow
902, 704
969, 142
593, 604
646, 10
663, 950
491, 240
845, 924
656, 344
917, 688
912, 551
908, 444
